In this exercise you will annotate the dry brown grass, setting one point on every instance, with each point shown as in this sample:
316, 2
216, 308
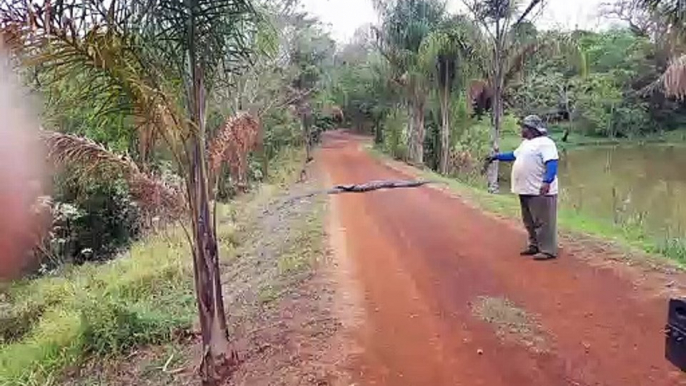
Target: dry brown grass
511, 323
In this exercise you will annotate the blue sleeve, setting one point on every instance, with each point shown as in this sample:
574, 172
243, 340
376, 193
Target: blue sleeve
550, 171
507, 157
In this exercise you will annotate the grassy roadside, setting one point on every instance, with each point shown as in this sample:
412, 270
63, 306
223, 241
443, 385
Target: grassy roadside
569, 220
145, 297
510, 140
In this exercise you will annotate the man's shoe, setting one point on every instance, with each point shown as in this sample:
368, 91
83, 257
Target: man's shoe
544, 256
530, 251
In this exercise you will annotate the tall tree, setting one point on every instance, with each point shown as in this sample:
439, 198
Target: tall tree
447, 53
499, 19
674, 12
359, 83
155, 61
310, 51
405, 24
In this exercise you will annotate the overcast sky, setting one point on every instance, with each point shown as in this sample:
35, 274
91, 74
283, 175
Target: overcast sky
345, 16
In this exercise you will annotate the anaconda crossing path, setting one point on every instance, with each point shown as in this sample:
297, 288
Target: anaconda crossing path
423, 260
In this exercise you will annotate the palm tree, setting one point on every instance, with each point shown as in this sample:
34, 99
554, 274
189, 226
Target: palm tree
499, 18
155, 61
309, 51
449, 53
674, 12
406, 23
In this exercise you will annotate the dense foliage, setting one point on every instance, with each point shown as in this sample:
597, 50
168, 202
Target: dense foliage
156, 109
424, 78
94, 97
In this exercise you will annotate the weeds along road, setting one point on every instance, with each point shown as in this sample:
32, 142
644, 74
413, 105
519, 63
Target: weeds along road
448, 300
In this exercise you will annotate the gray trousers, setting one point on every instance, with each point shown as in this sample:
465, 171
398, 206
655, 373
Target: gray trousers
539, 214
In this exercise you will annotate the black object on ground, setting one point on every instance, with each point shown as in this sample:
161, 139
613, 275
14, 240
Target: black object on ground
675, 332
375, 185
363, 188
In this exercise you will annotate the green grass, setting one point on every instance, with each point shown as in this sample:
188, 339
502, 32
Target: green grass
569, 219
307, 244
144, 297
674, 248
510, 140
285, 167
299, 255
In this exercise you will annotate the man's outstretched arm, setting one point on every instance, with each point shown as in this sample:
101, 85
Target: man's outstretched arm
505, 157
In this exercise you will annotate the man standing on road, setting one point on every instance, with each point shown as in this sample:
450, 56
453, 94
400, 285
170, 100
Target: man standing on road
534, 179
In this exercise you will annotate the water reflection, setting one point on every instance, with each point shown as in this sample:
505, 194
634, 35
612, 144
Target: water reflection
629, 185
640, 185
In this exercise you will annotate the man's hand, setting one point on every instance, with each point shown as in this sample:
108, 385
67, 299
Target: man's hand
545, 188
487, 163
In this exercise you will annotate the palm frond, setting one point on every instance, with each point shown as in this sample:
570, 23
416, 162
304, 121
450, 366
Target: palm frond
239, 135
155, 196
436, 43
107, 58
675, 78
673, 10
221, 39
68, 149
517, 59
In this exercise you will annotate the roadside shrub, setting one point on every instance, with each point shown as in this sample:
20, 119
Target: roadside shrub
432, 141
473, 144
326, 122
282, 135
395, 133
281, 130
92, 220
674, 248
510, 125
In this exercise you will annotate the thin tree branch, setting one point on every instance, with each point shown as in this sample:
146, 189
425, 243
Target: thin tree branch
527, 11
472, 9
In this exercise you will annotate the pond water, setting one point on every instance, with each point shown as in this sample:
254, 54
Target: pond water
629, 185
639, 185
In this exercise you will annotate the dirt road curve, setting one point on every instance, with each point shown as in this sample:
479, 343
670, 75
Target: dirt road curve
428, 265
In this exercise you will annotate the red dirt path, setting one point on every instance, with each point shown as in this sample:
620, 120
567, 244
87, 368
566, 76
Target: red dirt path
422, 258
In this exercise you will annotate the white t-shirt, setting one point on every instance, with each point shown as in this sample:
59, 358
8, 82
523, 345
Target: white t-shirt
528, 170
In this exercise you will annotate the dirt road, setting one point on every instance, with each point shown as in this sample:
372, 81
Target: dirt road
448, 300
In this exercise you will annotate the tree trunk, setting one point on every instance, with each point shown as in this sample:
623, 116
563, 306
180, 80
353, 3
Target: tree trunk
306, 129
445, 128
417, 156
217, 360
497, 108
378, 133
411, 151
493, 186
